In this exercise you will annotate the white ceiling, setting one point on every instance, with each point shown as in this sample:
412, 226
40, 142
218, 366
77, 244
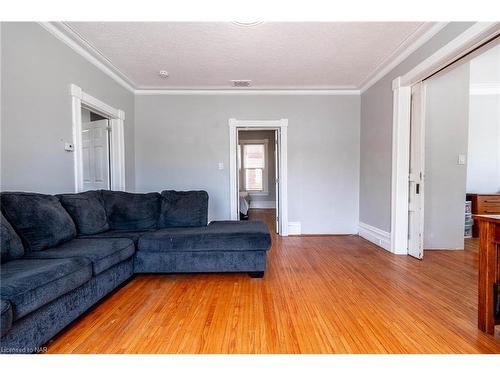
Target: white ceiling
207, 55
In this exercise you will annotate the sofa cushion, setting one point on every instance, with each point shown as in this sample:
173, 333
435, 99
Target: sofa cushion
130, 211
39, 219
218, 235
31, 283
87, 211
183, 209
131, 235
6, 317
102, 252
10, 244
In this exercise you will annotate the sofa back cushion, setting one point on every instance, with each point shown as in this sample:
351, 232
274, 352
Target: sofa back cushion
183, 209
87, 211
11, 245
131, 211
39, 219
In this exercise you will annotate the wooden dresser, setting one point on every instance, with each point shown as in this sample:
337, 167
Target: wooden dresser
483, 204
489, 273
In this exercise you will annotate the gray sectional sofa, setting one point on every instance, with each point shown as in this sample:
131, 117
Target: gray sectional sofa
62, 254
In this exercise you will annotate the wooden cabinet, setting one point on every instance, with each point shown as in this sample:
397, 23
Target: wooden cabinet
489, 272
483, 204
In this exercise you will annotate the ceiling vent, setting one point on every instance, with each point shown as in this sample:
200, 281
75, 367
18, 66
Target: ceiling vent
241, 82
163, 74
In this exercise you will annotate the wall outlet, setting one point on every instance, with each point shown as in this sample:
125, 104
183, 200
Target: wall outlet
221, 166
69, 147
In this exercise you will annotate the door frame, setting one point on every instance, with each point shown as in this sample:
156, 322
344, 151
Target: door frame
116, 119
416, 185
471, 39
282, 127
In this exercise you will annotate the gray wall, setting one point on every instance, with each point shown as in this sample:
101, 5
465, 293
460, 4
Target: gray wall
271, 170
376, 133
446, 134
181, 139
37, 70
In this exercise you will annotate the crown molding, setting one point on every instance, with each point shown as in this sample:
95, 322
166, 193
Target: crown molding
75, 41
69, 37
247, 92
421, 36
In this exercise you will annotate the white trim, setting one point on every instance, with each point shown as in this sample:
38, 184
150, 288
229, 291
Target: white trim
282, 126
76, 120
294, 228
69, 36
246, 92
96, 104
262, 204
470, 39
117, 153
400, 168
66, 35
423, 35
377, 236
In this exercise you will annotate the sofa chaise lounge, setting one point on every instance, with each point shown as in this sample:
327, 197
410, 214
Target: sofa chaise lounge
61, 254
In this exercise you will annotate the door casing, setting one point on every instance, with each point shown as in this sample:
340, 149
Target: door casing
282, 127
471, 42
117, 139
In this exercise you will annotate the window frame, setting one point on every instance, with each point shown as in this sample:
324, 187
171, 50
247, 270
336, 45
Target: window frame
265, 170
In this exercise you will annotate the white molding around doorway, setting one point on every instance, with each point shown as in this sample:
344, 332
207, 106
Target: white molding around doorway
282, 126
469, 40
117, 139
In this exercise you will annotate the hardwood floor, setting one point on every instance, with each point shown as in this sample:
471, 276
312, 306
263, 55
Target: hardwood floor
336, 294
471, 244
266, 215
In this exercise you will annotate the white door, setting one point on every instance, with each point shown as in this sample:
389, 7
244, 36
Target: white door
277, 178
416, 176
95, 150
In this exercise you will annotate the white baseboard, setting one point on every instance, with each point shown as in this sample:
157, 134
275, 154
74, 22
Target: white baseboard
377, 236
262, 204
294, 228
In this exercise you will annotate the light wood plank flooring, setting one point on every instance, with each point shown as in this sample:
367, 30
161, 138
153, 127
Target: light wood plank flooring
335, 294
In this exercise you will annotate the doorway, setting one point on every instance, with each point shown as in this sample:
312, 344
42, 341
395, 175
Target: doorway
95, 151
104, 146
258, 172
258, 175
454, 153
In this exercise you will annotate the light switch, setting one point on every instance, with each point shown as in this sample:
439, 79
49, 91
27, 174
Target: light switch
461, 159
221, 166
68, 147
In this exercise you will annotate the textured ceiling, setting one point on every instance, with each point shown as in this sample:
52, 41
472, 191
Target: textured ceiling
207, 55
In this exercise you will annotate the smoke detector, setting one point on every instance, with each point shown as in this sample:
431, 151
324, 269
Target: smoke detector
163, 74
247, 23
241, 82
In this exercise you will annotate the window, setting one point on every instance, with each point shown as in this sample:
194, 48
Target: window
252, 164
